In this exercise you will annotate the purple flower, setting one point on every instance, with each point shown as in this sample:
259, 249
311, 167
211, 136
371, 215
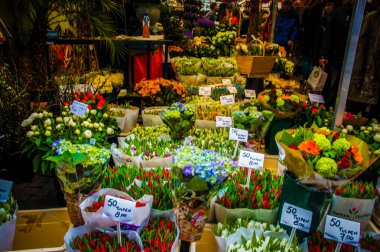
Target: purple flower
261, 117
55, 143
187, 170
147, 154
189, 35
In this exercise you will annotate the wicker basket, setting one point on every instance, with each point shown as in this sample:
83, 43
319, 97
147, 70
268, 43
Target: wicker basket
255, 66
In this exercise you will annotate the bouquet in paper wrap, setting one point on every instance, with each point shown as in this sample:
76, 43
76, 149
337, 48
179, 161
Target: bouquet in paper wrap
180, 119
284, 102
196, 174
322, 158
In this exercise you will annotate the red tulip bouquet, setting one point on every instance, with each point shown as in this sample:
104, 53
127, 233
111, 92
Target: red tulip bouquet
258, 201
354, 201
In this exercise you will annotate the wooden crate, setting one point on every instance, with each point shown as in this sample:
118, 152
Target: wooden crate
255, 66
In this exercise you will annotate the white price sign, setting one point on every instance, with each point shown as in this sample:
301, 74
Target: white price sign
341, 230
78, 108
119, 209
238, 135
223, 122
206, 91
316, 98
250, 93
227, 99
226, 82
5, 189
251, 160
232, 90
296, 217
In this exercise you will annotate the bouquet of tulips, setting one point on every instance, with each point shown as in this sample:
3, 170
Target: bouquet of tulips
7, 223
354, 200
180, 119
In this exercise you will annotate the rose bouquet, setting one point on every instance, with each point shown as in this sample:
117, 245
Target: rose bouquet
180, 119
317, 243
137, 182
314, 114
196, 174
253, 120
355, 201
321, 157
7, 223
79, 169
259, 200
283, 102
160, 92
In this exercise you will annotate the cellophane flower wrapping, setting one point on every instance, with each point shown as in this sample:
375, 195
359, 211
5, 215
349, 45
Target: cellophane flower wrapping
92, 211
8, 215
196, 175
317, 168
179, 118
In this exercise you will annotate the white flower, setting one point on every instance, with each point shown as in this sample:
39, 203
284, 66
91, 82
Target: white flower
66, 120
87, 111
77, 131
101, 124
366, 132
369, 128
87, 134
349, 128
90, 125
85, 123
105, 115
220, 225
45, 113
59, 119
64, 113
344, 131
49, 128
110, 131
58, 126
362, 128
89, 120
93, 112
100, 129
47, 133
377, 137
34, 127
39, 115
96, 125
29, 134
73, 124
36, 133
224, 233
26, 122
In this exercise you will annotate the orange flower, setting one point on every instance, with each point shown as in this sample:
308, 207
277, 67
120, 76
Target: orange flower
309, 146
358, 157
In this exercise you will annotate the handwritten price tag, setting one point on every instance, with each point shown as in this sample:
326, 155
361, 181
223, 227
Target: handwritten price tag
296, 217
226, 82
5, 189
119, 209
250, 93
232, 90
223, 122
238, 135
251, 160
78, 108
205, 91
227, 99
341, 230
316, 98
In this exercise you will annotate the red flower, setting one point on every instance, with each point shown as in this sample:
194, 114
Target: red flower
139, 204
337, 192
314, 111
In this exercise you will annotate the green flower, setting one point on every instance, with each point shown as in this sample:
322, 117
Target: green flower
266, 98
280, 102
322, 142
341, 144
326, 167
278, 92
294, 98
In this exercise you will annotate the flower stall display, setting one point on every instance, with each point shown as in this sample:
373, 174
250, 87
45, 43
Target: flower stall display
120, 115
259, 200
249, 235
312, 113
283, 102
137, 181
160, 92
368, 242
151, 116
354, 201
322, 158
284, 67
131, 115
103, 81
154, 132
255, 121
88, 238
8, 211
44, 128
92, 210
180, 119
79, 169
196, 174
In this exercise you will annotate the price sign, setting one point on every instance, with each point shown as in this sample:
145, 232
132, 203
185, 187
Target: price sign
206, 91
78, 108
92, 141
238, 135
251, 160
222, 121
250, 93
119, 209
296, 217
226, 82
341, 230
232, 90
5, 189
316, 98
227, 99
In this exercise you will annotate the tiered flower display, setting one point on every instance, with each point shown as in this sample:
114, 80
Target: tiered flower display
179, 118
196, 173
321, 152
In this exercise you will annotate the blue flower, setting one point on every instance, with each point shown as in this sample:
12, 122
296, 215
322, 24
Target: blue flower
55, 143
188, 170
